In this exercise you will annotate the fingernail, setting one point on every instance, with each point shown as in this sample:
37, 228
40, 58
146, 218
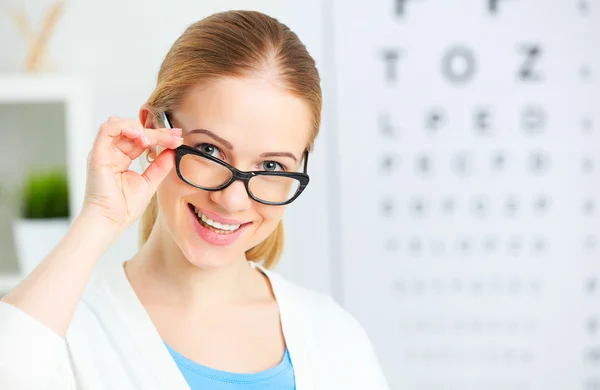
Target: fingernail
178, 138
146, 140
177, 131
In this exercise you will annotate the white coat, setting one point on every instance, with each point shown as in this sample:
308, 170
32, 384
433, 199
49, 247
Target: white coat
112, 344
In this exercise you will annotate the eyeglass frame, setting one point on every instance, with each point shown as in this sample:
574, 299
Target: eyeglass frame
236, 174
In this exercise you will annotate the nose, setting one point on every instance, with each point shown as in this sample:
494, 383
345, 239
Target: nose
233, 198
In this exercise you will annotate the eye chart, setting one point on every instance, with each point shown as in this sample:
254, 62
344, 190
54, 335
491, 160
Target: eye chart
469, 145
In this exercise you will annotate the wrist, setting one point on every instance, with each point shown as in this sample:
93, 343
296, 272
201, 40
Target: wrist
92, 219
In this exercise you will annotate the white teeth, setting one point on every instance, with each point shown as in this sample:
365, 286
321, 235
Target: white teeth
214, 224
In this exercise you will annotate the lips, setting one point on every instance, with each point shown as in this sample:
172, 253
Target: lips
216, 217
215, 236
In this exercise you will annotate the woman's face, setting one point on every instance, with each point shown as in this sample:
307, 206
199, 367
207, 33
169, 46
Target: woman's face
253, 125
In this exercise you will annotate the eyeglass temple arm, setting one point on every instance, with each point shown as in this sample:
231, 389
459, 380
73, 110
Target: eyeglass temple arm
165, 120
305, 160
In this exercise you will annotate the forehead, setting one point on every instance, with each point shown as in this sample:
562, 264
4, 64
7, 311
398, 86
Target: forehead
251, 113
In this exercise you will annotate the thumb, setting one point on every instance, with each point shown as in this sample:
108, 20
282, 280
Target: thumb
159, 169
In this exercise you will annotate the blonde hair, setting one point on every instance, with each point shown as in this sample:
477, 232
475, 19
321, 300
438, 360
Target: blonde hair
236, 44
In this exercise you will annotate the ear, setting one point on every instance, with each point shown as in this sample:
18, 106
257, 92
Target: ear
146, 117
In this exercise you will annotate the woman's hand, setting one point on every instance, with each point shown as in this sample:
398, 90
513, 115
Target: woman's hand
112, 190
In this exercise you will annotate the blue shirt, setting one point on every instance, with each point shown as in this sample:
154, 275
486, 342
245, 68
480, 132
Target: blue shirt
280, 377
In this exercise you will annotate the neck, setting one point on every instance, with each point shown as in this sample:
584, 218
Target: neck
162, 276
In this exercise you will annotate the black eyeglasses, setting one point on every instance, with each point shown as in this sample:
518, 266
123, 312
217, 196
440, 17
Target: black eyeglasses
209, 173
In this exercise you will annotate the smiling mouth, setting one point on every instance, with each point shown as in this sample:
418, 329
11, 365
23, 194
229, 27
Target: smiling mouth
214, 226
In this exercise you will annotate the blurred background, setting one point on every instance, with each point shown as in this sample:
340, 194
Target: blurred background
454, 197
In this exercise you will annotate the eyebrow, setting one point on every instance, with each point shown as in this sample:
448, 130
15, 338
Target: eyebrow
279, 154
229, 145
212, 135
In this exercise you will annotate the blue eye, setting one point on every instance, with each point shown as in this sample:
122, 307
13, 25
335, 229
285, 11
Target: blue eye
207, 148
272, 166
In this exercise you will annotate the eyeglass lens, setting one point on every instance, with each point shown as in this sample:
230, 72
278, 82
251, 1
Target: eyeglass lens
208, 174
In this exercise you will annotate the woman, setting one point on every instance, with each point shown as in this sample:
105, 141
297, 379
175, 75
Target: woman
237, 94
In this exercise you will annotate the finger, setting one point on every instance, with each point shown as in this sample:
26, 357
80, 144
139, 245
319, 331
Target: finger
159, 169
169, 138
130, 148
133, 151
112, 129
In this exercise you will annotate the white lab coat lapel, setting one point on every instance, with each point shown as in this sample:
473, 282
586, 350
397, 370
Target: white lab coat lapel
293, 330
155, 361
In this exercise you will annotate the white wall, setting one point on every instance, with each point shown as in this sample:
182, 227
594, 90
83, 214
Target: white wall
119, 45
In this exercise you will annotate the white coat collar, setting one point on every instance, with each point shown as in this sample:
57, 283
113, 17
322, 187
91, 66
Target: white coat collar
143, 334
292, 324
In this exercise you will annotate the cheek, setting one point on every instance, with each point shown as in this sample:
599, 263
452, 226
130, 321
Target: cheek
170, 193
167, 190
271, 215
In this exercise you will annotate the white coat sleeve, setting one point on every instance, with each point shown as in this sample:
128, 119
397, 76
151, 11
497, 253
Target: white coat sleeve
32, 356
356, 352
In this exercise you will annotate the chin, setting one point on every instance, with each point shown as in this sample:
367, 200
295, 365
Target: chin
209, 260
206, 255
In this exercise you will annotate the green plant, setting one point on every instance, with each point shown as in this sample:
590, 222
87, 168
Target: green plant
45, 195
